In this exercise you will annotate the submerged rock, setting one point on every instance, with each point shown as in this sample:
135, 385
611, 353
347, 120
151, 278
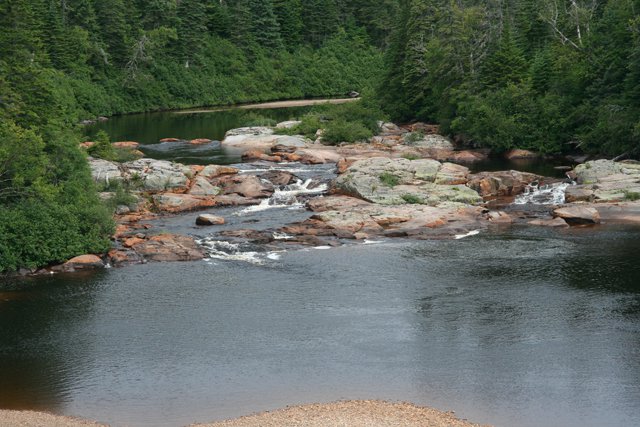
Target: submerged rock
520, 154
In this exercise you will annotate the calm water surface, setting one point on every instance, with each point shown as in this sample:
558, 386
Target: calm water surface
150, 128
523, 328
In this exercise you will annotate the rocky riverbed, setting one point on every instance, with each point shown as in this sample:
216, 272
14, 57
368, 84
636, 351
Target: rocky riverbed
407, 182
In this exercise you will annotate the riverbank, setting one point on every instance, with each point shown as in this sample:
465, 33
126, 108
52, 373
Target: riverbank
272, 104
363, 413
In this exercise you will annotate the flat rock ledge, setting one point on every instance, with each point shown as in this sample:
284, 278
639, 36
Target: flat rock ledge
363, 413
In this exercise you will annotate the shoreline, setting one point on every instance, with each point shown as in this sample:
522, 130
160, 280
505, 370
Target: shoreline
270, 105
352, 413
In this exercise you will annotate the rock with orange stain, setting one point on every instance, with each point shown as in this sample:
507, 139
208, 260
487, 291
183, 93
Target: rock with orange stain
200, 141
132, 145
87, 144
131, 241
83, 262
174, 203
169, 247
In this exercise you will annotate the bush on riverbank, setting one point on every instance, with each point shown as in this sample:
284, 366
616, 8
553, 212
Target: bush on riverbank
348, 122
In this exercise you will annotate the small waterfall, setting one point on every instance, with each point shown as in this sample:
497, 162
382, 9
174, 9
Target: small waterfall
549, 194
287, 196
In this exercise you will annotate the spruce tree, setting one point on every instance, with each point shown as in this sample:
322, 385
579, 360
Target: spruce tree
289, 16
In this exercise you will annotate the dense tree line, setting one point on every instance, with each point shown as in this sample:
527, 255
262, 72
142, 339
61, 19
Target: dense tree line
66, 60
548, 75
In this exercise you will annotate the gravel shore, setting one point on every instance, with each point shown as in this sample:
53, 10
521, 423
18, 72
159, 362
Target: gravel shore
41, 419
361, 413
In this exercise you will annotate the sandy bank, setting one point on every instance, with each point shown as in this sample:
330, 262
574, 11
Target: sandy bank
41, 419
365, 413
275, 104
362, 413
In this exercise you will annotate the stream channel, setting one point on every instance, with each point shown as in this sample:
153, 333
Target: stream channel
517, 326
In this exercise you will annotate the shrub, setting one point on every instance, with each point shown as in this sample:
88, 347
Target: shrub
255, 119
102, 148
340, 130
631, 195
412, 199
389, 179
413, 137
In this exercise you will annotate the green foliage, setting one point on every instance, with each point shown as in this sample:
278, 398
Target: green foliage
255, 119
631, 195
389, 179
102, 148
341, 130
519, 74
122, 197
412, 137
412, 199
309, 125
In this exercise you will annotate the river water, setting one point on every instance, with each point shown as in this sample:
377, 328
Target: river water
520, 327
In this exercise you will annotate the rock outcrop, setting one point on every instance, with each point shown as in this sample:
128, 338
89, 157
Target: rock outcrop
606, 181
400, 181
169, 247
502, 183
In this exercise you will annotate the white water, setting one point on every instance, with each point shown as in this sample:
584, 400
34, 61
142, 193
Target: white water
287, 197
220, 249
469, 234
551, 194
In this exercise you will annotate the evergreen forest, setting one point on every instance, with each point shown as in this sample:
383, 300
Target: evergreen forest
551, 76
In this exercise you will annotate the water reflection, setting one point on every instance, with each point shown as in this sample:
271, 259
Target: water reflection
40, 351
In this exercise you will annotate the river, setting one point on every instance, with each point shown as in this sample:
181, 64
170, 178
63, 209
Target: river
516, 327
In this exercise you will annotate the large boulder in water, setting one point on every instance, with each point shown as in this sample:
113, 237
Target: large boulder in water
578, 215
501, 183
169, 247
401, 181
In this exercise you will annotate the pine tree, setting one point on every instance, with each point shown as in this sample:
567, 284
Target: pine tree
114, 29
506, 64
289, 16
264, 25
192, 29
320, 18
